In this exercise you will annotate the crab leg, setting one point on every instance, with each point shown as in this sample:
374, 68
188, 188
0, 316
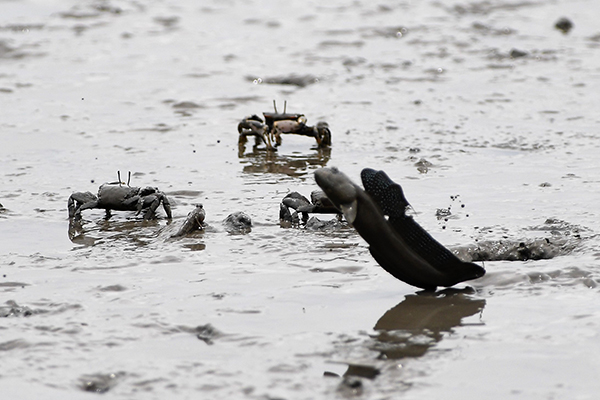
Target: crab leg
166, 206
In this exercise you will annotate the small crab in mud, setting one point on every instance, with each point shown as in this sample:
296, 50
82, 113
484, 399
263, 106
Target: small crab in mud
319, 204
193, 222
119, 196
270, 130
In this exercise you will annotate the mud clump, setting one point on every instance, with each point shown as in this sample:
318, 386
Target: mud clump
564, 25
238, 223
12, 309
292, 79
207, 333
100, 383
505, 250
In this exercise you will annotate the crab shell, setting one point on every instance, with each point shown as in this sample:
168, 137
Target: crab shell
116, 196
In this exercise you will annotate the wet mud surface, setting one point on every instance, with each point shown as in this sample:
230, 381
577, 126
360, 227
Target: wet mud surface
485, 112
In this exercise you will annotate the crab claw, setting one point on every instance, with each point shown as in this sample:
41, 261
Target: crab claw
323, 134
77, 200
284, 213
252, 127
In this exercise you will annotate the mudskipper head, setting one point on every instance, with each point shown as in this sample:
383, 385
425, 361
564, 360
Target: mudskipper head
339, 189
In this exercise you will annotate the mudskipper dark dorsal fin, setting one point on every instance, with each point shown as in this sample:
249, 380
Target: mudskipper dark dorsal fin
390, 198
388, 195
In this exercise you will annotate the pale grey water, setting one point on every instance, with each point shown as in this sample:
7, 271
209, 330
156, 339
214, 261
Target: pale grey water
88, 88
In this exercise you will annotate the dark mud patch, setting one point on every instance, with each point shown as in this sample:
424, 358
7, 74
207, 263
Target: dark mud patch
557, 226
562, 238
12, 309
21, 28
507, 250
158, 127
490, 30
195, 246
233, 102
100, 383
185, 108
9, 52
339, 270
340, 43
185, 193
168, 23
488, 7
386, 32
112, 288
12, 285
292, 80
14, 344
183, 105
564, 25
363, 371
93, 10
351, 387
423, 165
207, 333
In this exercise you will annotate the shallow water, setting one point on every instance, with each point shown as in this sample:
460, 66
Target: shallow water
430, 92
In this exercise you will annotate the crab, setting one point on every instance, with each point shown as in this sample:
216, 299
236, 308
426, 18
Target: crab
269, 131
121, 197
319, 204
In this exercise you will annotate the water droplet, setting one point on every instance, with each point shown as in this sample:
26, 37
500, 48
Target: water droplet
257, 81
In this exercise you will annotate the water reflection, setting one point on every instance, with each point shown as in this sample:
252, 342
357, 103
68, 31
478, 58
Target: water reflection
77, 233
259, 160
416, 324
131, 234
135, 232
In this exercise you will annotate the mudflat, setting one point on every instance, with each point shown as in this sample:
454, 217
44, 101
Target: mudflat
484, 112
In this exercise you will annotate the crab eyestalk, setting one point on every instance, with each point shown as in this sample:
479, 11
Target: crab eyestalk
119, 178
275, 106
